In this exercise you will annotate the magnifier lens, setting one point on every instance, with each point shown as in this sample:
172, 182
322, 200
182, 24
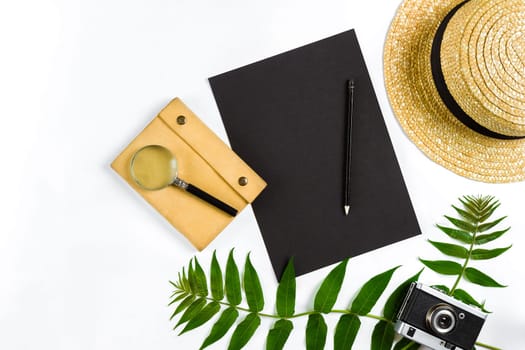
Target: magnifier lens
153, 167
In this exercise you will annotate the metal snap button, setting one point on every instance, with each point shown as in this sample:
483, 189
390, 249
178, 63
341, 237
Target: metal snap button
243, 181
181, 120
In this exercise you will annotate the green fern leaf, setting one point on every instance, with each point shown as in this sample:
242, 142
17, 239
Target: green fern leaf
462, 225
450, 249
316, 330
382, 336
278, 335
201, 287
346, 332
370, 292
406, 344
443, 267
233, 282
252, 287
244, 331
488, 212
191, 278
459, 235
484, 202
216, 282
394, 301
202, 316
487, 226
478, 277
471, 207
329, 290
465, 297
183, 305
178, 298
484, 254
185, 282
442, 288
219, 329
468, 215
285, 298
489, 237
191, 311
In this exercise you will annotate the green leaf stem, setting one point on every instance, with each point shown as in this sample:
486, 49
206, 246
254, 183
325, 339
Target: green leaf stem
197, 299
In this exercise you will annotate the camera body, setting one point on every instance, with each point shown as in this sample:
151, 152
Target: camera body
439, 321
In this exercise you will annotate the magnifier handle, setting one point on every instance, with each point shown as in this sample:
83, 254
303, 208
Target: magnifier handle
211, 200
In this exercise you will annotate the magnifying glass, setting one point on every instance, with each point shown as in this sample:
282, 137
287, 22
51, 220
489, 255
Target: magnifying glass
154, 167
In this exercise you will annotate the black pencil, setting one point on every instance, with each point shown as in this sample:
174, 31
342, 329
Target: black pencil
348, 142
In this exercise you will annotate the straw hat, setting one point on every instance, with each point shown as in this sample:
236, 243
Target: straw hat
455, 77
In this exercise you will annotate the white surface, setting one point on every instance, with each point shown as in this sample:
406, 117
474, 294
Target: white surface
84, 261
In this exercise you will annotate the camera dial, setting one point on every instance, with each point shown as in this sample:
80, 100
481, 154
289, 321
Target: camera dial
441, 318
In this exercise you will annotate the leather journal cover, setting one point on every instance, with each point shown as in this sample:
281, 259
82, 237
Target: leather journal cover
285, 115
202, 158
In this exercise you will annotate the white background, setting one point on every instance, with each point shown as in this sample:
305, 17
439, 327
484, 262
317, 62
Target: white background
84, 261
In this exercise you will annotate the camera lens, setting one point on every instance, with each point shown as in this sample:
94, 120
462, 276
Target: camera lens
441, 318
444, 321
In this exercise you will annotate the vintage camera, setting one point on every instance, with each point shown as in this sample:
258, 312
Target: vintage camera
432, 318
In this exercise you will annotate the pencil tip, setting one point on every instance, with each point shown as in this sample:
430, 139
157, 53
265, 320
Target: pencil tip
347, 209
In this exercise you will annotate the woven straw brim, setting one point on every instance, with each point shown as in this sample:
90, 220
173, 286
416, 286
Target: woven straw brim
420, 110
483, 61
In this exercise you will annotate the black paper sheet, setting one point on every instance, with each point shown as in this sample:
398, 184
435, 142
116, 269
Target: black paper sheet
285, 116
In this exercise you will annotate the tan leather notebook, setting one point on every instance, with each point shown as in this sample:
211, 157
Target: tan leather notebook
205, 161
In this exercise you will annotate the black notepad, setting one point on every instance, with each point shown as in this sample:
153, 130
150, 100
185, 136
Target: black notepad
285, 116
